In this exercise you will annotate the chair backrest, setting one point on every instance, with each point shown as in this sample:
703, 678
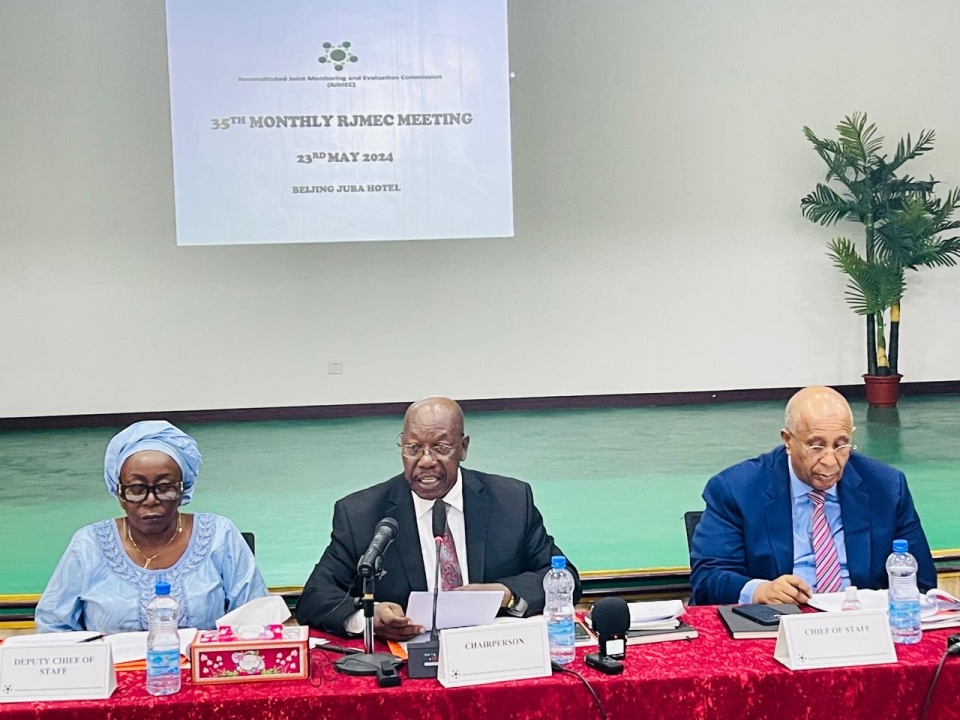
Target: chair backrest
248, 536
690, 520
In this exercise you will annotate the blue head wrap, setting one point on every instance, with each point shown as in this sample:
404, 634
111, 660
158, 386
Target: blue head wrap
153, 435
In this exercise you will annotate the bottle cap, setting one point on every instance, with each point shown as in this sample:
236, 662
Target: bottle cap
900, 546
851, 592
163, 588
558, 562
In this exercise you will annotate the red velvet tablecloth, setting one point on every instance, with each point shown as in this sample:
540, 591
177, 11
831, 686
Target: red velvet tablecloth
712, 677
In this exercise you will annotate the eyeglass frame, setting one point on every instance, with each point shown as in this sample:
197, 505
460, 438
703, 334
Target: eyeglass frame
428, 448
151, 490
822, 450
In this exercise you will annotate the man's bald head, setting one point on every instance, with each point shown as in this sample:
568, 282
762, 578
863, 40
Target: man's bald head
813, 403
433, 410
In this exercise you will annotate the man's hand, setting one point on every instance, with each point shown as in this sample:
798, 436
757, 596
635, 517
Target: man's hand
491, 587
785, 589
390, 623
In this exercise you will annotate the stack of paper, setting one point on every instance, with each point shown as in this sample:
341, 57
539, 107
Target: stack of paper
658, 615
130, 649
938, 608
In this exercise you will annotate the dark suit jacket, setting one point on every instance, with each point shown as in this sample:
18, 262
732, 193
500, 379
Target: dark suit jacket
746, 531
506, 543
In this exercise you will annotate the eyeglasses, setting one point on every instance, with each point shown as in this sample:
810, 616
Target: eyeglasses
440, 451
840, 451
163, 492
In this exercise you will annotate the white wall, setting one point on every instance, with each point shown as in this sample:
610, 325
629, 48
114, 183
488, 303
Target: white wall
659, 164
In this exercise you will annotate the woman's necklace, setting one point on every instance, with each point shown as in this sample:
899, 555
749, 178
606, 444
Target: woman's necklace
154, 557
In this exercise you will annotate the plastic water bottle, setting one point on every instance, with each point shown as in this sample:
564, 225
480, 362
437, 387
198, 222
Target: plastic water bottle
163, 643
904, 598
558, 588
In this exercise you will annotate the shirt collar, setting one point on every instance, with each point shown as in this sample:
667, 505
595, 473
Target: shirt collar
799, 489
453, 498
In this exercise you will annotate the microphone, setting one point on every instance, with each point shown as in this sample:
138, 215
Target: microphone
423, 657
439, 530
611, 620
439, 520
385, 534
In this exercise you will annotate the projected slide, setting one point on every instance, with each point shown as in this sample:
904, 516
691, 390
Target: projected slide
305, 121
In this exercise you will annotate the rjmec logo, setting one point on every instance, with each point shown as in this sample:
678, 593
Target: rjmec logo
337, 55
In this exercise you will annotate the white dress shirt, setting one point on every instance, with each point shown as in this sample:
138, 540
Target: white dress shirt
423, 511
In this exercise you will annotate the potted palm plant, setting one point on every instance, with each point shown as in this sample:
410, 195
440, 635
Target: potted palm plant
904, 227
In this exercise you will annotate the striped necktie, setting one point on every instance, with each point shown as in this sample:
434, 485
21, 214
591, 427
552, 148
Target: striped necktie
824, 550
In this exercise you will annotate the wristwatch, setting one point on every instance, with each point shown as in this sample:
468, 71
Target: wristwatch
516, 606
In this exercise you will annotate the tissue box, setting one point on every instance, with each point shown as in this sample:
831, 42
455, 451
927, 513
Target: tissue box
245, 654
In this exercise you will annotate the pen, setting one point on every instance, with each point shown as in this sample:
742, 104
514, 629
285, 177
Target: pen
95, 637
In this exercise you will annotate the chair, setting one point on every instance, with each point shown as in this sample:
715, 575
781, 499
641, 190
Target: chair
690, 520
248, 536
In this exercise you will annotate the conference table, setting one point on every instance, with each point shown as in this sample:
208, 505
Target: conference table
712, 676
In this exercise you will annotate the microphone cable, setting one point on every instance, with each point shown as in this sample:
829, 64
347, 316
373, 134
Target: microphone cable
581, 678
953, 648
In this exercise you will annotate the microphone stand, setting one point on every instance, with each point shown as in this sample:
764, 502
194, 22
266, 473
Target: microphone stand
369, 662
434, 635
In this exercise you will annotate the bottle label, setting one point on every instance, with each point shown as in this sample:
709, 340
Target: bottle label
163, 662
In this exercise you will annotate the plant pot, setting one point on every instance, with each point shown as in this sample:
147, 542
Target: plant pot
883, 391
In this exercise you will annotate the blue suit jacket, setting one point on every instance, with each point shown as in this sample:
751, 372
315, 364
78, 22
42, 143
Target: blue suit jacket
746, 531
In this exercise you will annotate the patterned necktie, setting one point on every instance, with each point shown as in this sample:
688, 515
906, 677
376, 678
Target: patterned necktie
450, 576
824, 550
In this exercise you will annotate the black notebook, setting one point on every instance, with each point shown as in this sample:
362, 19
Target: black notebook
642, 637
742, 628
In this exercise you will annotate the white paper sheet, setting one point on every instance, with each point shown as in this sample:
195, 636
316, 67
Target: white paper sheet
660, 614
132, 646
454, 608
52, 638
938, 608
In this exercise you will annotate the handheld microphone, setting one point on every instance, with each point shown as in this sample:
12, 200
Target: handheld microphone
611, 620
386, 532
423, 657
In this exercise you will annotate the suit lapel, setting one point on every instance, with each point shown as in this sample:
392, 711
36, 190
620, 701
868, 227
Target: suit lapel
778, 515
408, 536
855, 518
476, 511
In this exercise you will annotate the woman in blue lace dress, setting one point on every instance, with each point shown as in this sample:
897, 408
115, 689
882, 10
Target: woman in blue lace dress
107, 575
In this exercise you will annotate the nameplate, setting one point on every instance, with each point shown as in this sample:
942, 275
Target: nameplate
494, 653
840, 639
71, 671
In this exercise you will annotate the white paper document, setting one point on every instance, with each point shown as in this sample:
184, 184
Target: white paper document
454, 609
51, 638
938, 608
655, 615
132, 646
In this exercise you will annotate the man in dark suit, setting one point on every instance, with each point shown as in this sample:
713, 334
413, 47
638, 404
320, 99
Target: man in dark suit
809, 516
495, 541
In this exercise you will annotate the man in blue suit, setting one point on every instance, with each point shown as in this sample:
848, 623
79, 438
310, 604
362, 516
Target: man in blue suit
810, 516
